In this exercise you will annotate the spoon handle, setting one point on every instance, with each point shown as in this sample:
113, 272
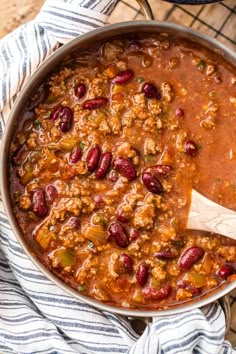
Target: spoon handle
208, 216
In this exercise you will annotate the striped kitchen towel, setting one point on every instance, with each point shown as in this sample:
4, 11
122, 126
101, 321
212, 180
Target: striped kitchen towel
35, 315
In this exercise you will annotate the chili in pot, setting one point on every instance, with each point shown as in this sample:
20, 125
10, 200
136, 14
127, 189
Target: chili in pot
103, 163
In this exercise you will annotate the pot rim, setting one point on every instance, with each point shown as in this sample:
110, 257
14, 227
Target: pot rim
106, 32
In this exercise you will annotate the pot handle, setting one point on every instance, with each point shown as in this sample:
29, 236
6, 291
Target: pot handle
146, 9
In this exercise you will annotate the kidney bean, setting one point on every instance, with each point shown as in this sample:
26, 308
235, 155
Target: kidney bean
55, 113
75, 155
121, 218
125, 167
113, 176
38, 202
134, 234
135, 45
75, 222
165, 254
181, 284
123, 77
80, 90
179, 112
218, 78
93, 158
142, 274
150, 91
190, 148
103, 165
66, 117
162, 170
225, 271
99, 201
157, 294
195, 291
95, 103
190, 256
16, 156
51, 193
127, 261
152, 183
117, 232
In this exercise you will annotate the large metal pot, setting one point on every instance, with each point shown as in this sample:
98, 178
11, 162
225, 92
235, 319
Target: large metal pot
94, 36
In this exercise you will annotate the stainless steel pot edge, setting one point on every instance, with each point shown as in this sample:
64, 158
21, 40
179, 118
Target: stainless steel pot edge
89, 38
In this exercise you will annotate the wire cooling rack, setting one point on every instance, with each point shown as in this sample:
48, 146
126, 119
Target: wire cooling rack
217, 20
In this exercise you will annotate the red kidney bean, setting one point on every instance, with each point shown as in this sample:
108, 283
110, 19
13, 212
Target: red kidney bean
165, 254
225, 271
142, 274
123, 77
75, 155
51, 193
190, 148
55, 113
80, 90
75, 222
16, 156
103, 165
121, 218
179, 112
127, 261
66, 117
99, 201
38, 202
181, 284
157, 294
218, 78
113, 176
93, 158
134, 234
117, 232
195, 291
150, 91
152, 183
135, 45
95, 103
125, 167
190, 256
162, 170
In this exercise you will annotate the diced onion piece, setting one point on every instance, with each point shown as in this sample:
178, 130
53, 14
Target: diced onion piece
97, 234
44, 237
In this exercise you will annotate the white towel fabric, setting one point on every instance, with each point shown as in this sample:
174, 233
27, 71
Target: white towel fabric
35, 315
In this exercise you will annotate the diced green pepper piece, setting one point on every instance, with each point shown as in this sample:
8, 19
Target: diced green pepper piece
201, 65
149, 158
140, 79
37, 124
27, 177
81, 288
66, 257
102, 220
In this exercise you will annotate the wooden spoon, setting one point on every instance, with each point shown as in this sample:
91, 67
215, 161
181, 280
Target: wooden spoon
208, 216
